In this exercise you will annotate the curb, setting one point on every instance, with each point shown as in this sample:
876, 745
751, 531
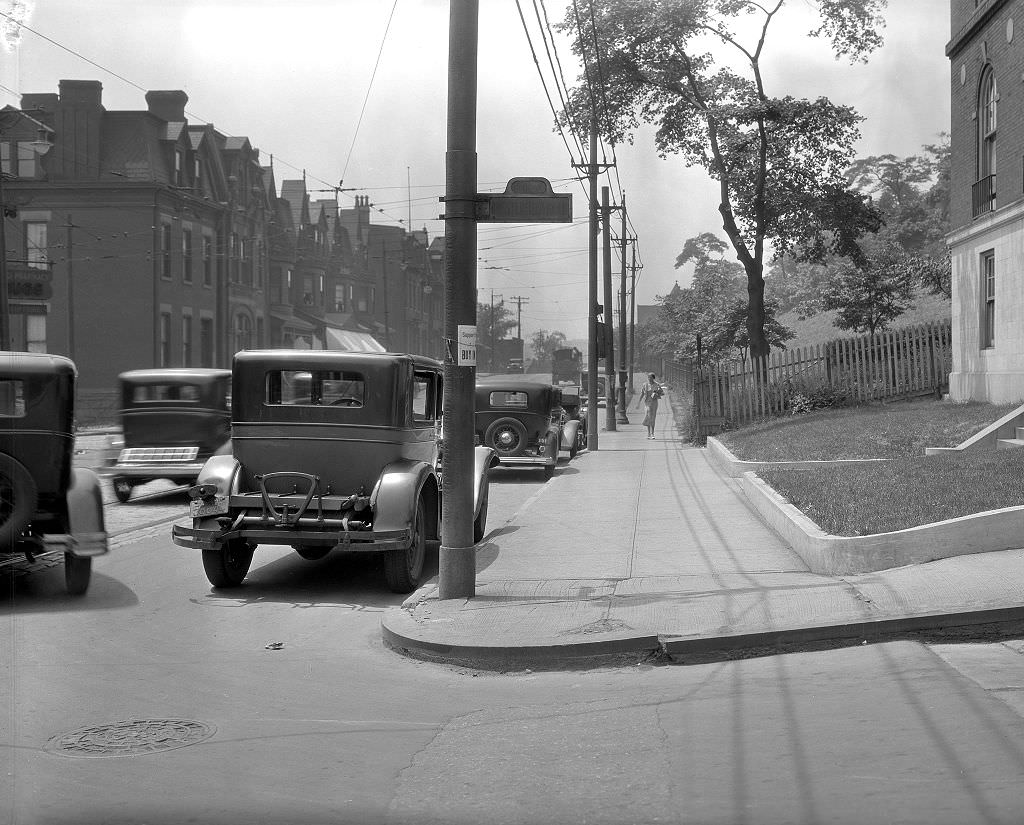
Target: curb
986, 532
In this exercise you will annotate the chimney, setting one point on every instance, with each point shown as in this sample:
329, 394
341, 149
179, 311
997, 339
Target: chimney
81, 94
167, 105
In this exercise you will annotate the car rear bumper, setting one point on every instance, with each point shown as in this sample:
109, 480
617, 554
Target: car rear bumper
200, 538
155, 470
80, 544
527, 460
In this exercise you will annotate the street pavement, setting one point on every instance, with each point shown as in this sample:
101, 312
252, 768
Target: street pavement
642, 549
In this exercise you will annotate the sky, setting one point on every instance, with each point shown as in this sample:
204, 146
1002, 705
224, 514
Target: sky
355, 91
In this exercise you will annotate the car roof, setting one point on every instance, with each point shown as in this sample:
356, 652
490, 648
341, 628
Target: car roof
306, 358
34, 363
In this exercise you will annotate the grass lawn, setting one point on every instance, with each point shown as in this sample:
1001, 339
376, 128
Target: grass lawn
907, 491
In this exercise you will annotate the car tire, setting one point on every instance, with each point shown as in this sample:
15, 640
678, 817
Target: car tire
312, 552
549, 471
480, 522
77, 572
228, 565
507, 436
18, 496
122, 488
403, 569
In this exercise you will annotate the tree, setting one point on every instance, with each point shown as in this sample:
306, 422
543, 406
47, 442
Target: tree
779, 161
543, 345
870, 294
492, 327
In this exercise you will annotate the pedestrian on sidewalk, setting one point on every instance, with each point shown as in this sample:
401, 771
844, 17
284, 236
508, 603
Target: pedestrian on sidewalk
649, 395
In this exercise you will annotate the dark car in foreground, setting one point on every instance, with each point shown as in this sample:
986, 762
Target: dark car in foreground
46, 504
329, 450
524, 422
172, 421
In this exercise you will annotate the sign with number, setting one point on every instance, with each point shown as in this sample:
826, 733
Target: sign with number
467, 346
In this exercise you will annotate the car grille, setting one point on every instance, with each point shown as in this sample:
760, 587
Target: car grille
147, 455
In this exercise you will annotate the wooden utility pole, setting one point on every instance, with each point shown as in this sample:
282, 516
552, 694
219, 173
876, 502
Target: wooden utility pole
624, 241
457, 556
608, 328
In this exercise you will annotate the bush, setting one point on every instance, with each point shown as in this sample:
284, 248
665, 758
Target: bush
803, 396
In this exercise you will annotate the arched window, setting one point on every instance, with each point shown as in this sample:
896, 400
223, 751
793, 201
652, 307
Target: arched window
243, 332
985, 189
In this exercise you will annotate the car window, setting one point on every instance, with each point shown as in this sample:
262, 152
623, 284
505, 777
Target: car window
188, 393
509, 398
12, 399
425, 388
321, 388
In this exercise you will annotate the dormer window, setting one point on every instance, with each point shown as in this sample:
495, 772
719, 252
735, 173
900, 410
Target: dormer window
179, 171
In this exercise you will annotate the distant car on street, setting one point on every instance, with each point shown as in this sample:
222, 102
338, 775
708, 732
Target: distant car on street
523, 421
46, 504
514, 365
172, 421
329, 450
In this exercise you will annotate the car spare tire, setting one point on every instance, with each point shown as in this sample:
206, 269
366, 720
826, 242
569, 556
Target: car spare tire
17, 499
507, 436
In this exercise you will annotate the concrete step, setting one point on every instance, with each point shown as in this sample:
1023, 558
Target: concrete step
1010, 443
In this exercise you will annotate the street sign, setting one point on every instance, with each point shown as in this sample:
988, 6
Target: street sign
26, 285
525, 200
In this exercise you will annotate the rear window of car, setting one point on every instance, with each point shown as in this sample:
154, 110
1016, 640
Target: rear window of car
326, 388
509, 398
12, 399
186, 393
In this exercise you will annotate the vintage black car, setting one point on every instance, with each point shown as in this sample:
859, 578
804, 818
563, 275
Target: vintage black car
172, 421
46, 504
328, 450
524, 422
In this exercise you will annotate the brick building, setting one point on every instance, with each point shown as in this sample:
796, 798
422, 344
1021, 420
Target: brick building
136, 239
986, 54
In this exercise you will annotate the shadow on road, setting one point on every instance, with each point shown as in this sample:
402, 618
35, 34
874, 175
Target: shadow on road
39, 588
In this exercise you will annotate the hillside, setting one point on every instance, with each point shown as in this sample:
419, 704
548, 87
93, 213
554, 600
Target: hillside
819, 328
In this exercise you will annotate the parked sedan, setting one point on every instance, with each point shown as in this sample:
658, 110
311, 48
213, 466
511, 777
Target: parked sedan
523, 421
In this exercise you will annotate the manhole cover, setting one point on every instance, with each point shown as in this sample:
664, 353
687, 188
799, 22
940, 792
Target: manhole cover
130, 737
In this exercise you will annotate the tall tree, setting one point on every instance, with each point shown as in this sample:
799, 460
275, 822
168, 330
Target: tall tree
543, 345
492, 327
779, 161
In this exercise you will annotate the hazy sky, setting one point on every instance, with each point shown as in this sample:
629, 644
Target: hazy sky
295, 77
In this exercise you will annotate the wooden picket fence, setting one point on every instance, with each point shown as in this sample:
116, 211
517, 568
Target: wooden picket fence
900, 363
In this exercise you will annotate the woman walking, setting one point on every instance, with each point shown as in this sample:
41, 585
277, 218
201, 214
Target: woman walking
649, 395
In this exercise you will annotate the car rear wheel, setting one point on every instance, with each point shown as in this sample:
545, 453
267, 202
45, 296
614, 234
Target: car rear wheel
480, 522
77, 572
312, 552
549, 471
228, 565
507, 436
403, 569
17, 499
122, 489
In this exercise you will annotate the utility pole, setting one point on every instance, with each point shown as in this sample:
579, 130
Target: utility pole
608, 328
5, 310
632, 318
520, 300
494, 331
71, 293
622, 318
384, 286
457, 555
593, 169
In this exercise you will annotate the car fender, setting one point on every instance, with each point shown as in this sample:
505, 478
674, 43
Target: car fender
483, 459
395, 494
570, 431
222, 472
85, 513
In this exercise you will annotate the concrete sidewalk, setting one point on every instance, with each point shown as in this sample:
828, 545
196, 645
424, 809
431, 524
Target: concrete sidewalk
643, 548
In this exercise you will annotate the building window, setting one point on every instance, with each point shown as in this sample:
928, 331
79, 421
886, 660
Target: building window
233, 258
307, 290
197, 174
339, 298
206, 342
186, 340
988, 303
179, 168
243, 332
165, 339
186, 255
37, 254
207, 260
984, 193
28, 332
165, 250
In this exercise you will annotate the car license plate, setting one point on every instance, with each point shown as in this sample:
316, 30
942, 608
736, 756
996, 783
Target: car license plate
198, 508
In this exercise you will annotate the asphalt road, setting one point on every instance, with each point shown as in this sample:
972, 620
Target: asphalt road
155, 699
